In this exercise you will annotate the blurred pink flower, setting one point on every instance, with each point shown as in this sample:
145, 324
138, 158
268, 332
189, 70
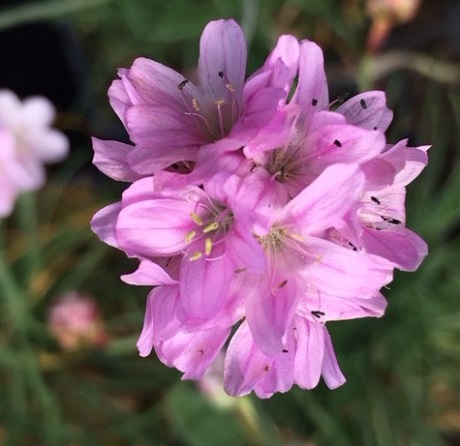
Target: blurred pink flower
27, 142
385, 14
75, 322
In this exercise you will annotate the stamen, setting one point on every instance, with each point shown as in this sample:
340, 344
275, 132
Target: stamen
211, 227
196, 218
221, 120
196, 255
208, 246
195, 104
230, 88
190, 236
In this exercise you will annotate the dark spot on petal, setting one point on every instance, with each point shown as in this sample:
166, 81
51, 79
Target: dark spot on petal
337, 143
375, 200
221, 74
240, 270
393, 221
282, 284
363, 104
314, 102
183, 84
317, 313
266, 368
375, 128
285, 351
353, 246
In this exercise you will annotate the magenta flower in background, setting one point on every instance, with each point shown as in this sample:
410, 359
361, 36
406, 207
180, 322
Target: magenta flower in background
75, 322
255, 208
27, 143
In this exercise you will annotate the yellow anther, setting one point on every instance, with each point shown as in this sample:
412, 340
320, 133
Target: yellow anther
196, 255
318, 260
196, 218
195, 104
230, 87
208, 246
219, 102
297, 237
211, 227
190, 236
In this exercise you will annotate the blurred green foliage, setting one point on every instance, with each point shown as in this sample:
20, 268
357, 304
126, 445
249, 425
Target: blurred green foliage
403, 370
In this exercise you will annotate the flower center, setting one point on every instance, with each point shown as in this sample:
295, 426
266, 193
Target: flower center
212, 116
209, 230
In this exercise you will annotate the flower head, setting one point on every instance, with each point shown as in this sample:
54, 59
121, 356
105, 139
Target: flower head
269, 213
75, 322
28, 143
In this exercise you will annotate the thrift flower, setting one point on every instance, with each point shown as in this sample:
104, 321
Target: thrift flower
75, 322
258, 211
28, 143
171, 119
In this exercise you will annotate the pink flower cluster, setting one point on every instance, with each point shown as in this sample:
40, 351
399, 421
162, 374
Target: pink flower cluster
257, 212
26, 143
75, 322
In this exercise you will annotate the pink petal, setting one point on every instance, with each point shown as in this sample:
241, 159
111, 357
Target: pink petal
192, 353
270, 308
148, 273
343, 144
103, 223
222, 59
367, 110
49, 146
161, 126
159, 319
342, 272
333, 308
325, 200
332, 375
245, 364
37, 112
157, 85
204, 287
154, 227
309, 354
400, 246
311, 93
110, 157
416, 160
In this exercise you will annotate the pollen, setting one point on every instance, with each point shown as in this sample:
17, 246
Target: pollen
196, 218
208, 246
196, 255
211, 227
195, 104
190, 236
230, 88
